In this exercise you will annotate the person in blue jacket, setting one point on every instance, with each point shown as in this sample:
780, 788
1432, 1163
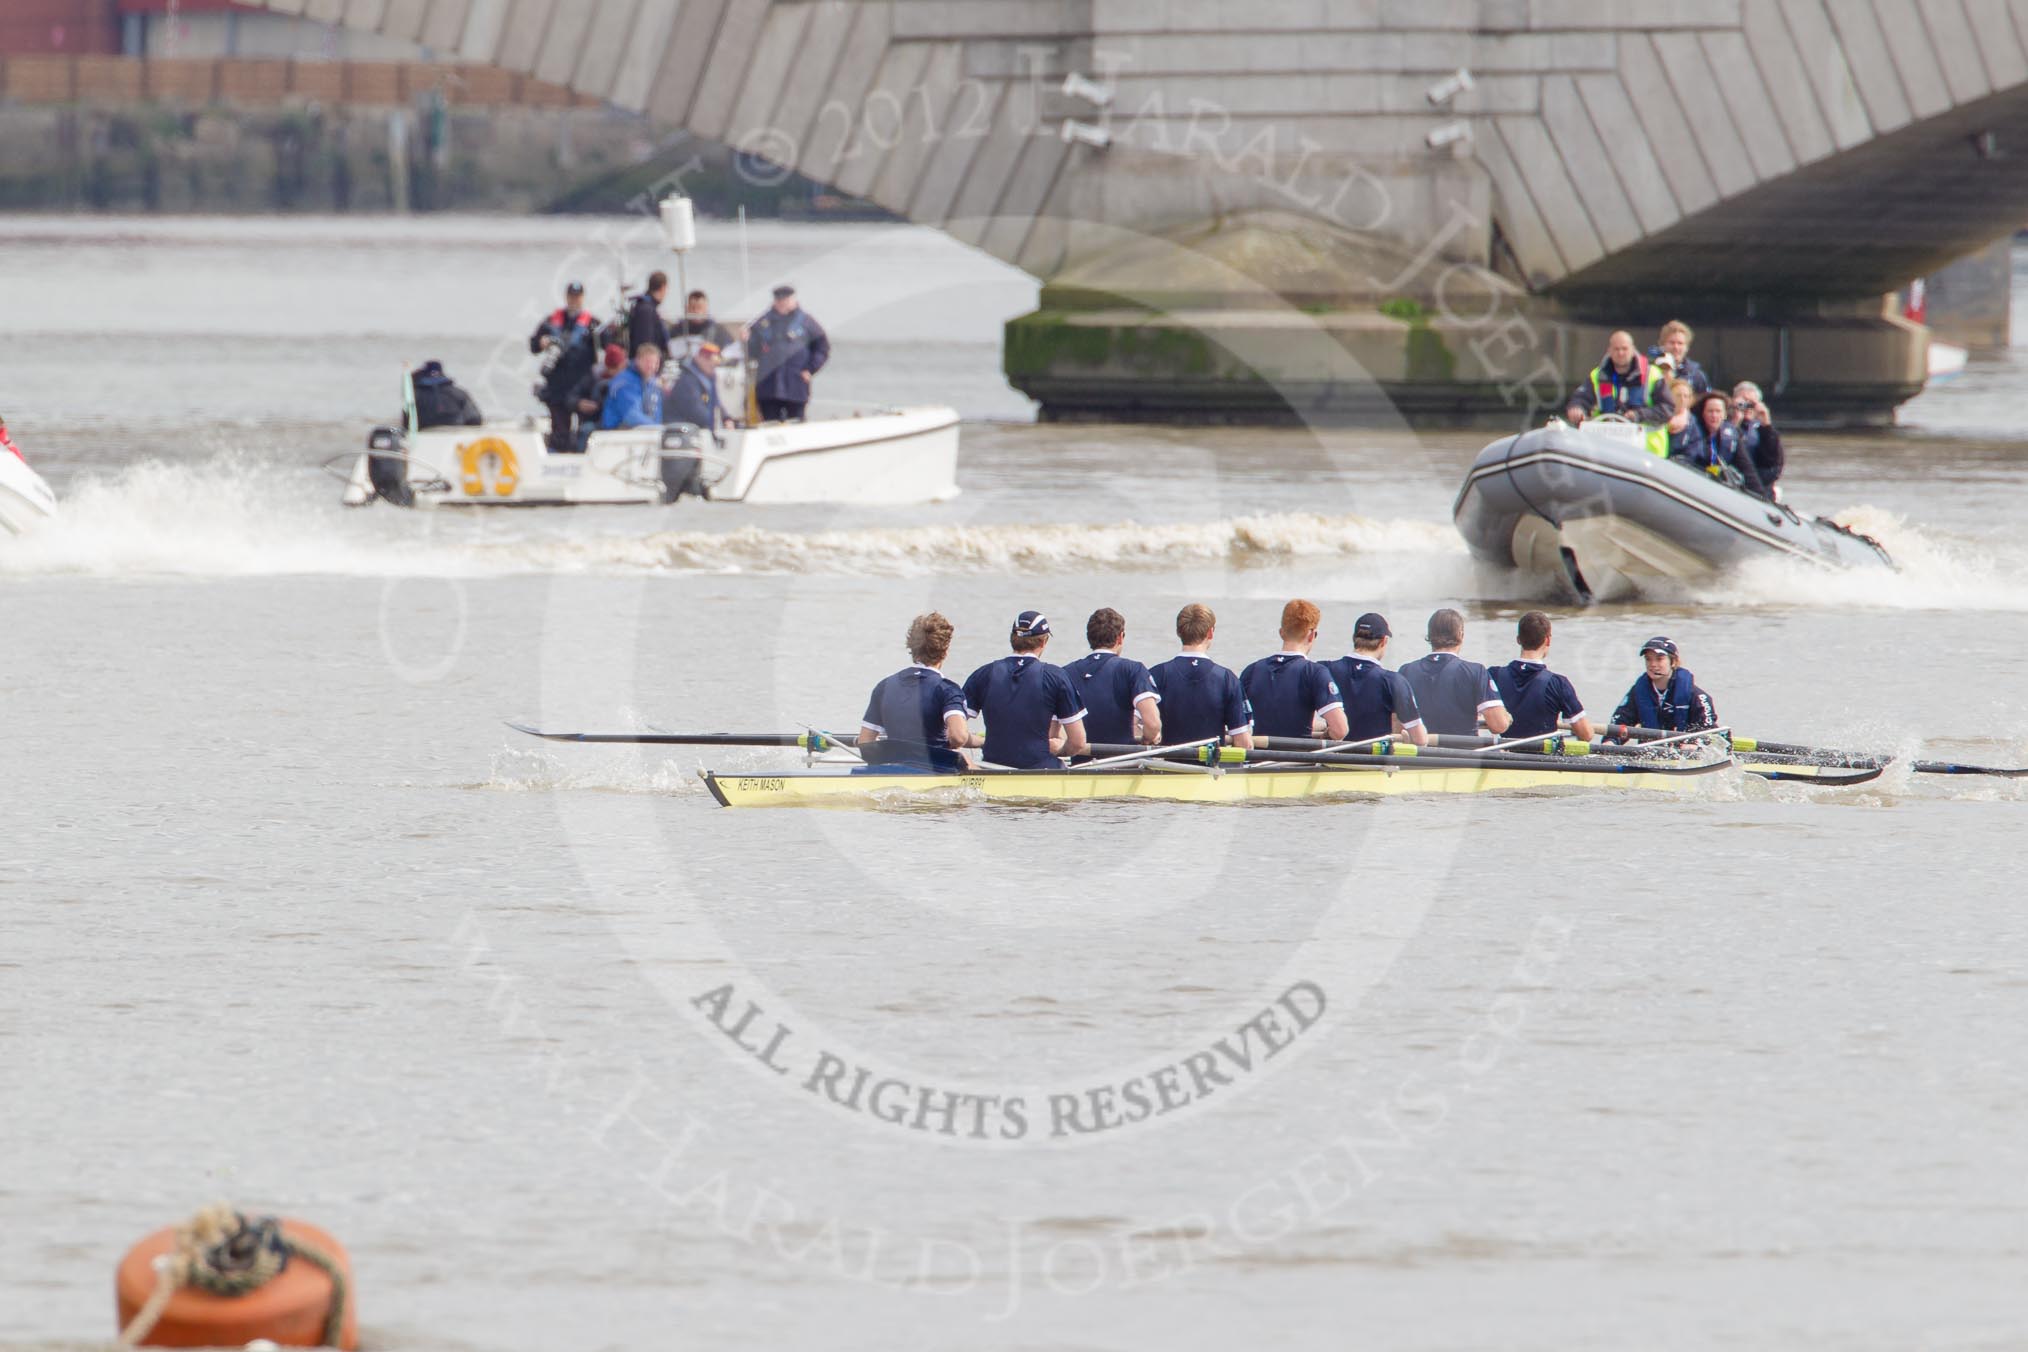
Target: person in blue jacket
790, 347
635, 397
1667, 697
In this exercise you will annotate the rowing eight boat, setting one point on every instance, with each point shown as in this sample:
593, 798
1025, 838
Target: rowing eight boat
844, 786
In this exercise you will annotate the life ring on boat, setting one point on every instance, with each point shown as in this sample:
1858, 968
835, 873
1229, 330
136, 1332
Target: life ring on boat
224, 1280
504, 471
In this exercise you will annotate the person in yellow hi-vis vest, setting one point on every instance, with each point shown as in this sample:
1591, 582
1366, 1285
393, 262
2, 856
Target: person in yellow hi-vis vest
1625, 384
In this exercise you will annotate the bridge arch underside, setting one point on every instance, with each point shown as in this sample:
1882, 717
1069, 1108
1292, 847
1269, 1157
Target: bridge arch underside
1850, 228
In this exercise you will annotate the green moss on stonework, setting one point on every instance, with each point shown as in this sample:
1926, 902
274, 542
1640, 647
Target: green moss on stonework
1038, 341
1165, 350
1427, 358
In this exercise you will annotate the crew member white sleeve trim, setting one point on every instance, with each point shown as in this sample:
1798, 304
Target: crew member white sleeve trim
1329, 707
1244, 727
873, 727
1077, 717
1492, 704
1147, 697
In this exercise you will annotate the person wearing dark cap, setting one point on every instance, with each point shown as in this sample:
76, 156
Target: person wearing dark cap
439, 401
1118, 694
788, 347
1200, 698
1032, 715
1287, 692
916, 717
694, 398
1537, 697
1378, 703
568, 343
1453, 694
1667, 697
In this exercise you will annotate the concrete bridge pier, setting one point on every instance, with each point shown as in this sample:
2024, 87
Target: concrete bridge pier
1272, 316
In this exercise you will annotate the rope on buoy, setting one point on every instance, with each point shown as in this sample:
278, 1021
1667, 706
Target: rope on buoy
221, 1251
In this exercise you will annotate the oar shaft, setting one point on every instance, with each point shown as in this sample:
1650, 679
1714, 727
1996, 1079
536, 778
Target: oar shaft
1233, 756
1948, 768
807, 741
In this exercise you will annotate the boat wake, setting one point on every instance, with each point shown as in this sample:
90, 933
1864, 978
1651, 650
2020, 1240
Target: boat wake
234, 516
930, 550
1933, 572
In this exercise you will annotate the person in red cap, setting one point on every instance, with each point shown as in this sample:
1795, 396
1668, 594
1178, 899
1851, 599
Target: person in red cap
694, 398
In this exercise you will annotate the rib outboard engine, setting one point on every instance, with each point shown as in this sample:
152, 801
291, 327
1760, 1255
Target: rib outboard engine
387, 467
683, 462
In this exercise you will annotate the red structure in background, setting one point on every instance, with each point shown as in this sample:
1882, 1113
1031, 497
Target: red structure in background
60, 28
82, 27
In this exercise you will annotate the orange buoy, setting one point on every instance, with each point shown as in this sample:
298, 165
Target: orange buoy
290, 1309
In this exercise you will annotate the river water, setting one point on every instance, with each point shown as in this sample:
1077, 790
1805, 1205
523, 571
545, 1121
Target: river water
292, 919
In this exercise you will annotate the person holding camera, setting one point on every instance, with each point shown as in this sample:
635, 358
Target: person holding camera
1759, 442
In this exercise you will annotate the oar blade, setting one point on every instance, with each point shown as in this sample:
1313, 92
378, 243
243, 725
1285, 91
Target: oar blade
1950, 768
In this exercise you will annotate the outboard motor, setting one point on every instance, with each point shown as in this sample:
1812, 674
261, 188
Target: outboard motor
683, 462
387, 467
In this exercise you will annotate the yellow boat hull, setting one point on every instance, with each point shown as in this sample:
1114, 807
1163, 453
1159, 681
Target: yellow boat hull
814, 788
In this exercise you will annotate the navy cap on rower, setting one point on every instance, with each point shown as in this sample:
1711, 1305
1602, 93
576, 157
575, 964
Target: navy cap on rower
1372, 626
1659, 645
784, 292
574, 289
1031, 624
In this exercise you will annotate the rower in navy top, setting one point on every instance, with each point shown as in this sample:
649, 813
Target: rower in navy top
1667, 697
1200, 699
1118, 695
1024, 700
916, 717
1287, 693
1536, 696
1453, 694
1378, 703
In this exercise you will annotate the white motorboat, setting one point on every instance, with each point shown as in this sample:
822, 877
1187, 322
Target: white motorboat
872, 457
25, 500
862, 457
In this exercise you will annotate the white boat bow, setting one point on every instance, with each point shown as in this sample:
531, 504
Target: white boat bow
25, 500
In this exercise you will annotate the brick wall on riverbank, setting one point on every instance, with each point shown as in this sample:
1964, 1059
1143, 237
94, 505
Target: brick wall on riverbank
228, 159
267, 84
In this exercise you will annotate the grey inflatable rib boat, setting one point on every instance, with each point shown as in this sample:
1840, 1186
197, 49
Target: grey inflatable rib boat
1592, 508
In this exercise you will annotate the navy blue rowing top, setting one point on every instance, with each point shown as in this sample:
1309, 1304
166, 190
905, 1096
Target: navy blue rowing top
1451, 693
1019, 696
907, 709
1200, 699
1286, 692
1536, 697
1109, 686
1374, 698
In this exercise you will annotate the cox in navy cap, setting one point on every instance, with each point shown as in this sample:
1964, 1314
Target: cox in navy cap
1031, 624
574, 289
1659, 645
1372, 626
784, 292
